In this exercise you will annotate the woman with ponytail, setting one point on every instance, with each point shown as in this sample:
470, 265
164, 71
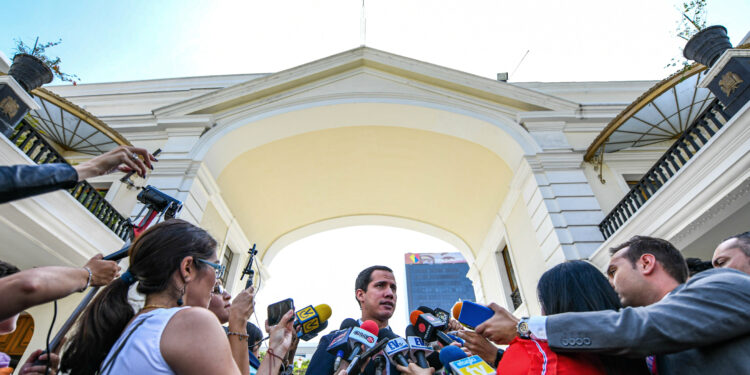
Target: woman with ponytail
173, 333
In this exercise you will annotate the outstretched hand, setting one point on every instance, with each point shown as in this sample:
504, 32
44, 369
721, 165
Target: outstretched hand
501, 328
474, 343
122, 158
414, 369
102, 271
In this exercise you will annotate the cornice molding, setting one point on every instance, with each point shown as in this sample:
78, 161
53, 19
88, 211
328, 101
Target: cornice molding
414, 70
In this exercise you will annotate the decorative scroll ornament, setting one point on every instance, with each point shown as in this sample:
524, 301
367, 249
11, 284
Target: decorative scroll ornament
9, 106
730, 82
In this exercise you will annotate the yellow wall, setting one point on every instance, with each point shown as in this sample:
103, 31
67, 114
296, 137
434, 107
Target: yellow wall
367, 170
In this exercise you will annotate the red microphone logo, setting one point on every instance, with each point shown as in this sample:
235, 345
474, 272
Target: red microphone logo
421, 327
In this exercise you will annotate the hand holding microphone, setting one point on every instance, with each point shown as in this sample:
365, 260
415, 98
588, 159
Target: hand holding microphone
413, 369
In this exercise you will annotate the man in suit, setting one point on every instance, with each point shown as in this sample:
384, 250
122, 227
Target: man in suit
375, 291
697, 327
734, 252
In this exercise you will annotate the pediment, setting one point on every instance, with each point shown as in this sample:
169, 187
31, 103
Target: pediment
365, 73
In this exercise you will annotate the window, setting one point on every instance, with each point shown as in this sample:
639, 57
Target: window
508, 276
226, 260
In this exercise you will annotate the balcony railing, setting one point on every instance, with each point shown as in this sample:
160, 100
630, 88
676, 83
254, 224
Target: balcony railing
684, 148
31, 142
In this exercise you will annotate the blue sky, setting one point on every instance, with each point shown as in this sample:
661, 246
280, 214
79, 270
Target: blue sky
567, 40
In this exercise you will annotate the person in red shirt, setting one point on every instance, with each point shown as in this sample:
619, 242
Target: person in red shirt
573, 286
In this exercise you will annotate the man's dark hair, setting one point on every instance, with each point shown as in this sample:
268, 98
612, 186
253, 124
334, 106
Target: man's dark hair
665, 253
696, 265
364, 278
255, 336
743, 242
7, 269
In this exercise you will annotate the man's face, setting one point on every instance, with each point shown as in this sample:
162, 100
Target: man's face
627, 280
729, 255
379, 301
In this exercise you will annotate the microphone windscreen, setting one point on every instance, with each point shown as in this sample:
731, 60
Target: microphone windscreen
348, 323
414, 315
457, 309
426, 309
451, 353
324, 312
370, 326
410, 331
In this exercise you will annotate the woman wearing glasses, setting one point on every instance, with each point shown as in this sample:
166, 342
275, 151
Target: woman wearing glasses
173, 333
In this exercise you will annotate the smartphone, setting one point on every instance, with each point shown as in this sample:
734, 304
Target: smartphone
278, 309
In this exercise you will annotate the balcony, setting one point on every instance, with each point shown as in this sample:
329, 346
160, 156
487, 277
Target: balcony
33, 144
677, 156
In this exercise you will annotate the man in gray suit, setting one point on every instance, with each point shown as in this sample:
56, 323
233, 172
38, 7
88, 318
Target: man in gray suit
699, 327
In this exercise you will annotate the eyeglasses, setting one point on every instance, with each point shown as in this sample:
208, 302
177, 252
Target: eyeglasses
219, 289
217, 267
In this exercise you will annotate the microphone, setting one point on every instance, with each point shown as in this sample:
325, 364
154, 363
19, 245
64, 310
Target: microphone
313, 320
337, 362
430, 328
471, 366
348, 323
426, 309
449, 354
442, 314
395, 350
471, 314
417, 348
383, 336
364, 335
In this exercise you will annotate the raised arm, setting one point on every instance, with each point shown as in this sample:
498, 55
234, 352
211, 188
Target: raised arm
44, 284
713, 307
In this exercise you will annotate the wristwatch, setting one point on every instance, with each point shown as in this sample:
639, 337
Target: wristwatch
523, 328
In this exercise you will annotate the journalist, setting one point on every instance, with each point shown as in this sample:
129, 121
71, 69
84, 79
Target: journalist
694, 327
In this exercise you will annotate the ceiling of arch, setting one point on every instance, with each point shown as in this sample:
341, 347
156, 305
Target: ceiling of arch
421, 175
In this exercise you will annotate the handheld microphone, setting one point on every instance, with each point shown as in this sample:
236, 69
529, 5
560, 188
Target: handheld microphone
426, 309
353, 369
471, 314
337, 362
430, 328
471, 366
349, 323
449, 354
442, 315
395, 350
362, 335
313, 320
417, 347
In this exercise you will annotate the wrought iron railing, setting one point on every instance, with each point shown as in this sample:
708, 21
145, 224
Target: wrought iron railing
684, 148
33, 144
515, 297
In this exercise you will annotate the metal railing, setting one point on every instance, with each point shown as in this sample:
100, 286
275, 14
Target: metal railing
33, 144
515, 297
684, 148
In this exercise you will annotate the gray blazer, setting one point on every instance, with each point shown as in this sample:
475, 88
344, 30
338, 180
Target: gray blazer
702, 327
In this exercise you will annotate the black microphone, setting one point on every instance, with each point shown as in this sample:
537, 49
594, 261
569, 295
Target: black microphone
417, 347
383, 336
349, 323
430, 328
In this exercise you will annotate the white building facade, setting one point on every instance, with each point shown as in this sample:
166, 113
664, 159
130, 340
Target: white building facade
367, 137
